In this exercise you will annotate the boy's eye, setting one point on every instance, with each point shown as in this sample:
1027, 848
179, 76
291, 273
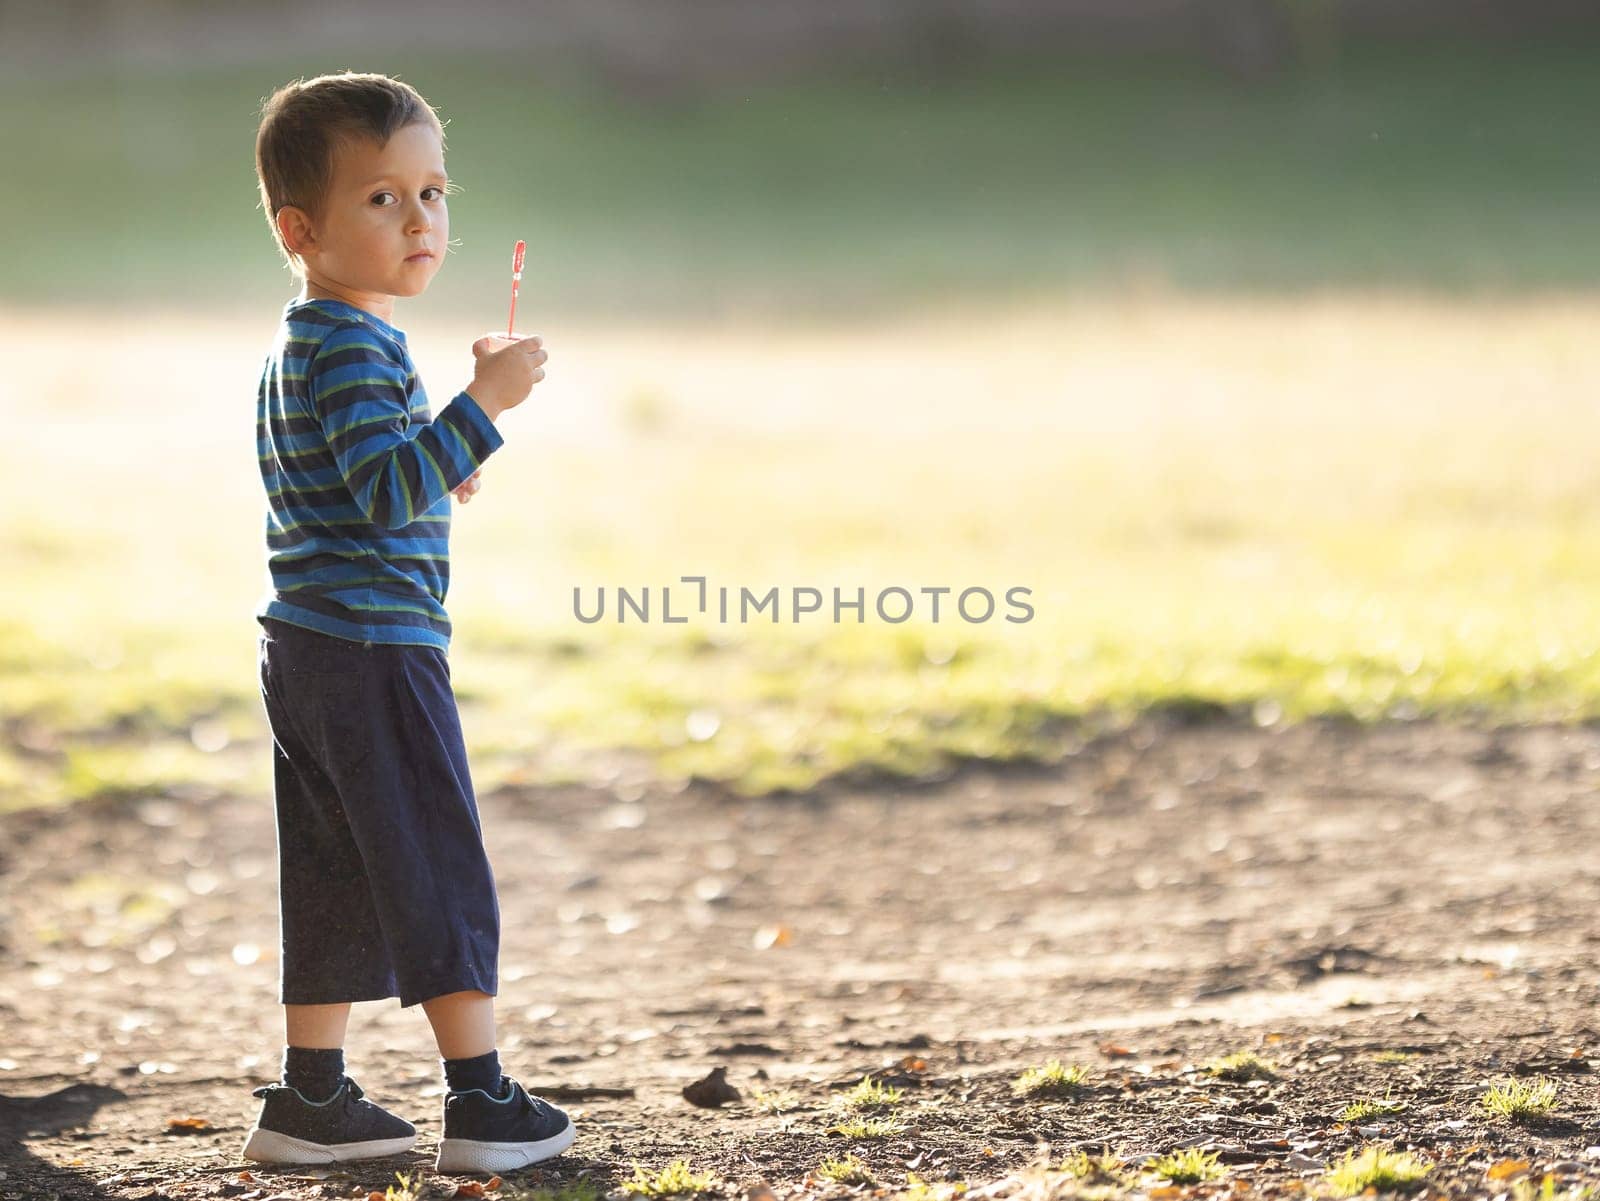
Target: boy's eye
379, 198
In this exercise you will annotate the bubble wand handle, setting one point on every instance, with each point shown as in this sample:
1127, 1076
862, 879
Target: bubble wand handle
516, 278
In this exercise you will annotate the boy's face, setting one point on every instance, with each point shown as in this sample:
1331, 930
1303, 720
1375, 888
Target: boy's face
383, 207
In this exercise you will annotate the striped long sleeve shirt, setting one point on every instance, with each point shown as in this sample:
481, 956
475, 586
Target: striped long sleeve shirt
358, 478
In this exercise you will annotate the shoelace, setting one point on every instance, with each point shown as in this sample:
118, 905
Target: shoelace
508, 1084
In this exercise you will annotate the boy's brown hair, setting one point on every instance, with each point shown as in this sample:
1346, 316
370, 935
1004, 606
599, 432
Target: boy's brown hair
305, 123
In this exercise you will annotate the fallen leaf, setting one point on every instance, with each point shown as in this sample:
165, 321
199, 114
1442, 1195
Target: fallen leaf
1507, 1167
187, 1126
1165, 1193
1114, 1050
912, 1063
491, 1184
468, 1188
777, 935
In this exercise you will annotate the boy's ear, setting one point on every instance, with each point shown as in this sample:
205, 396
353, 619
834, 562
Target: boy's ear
294, 227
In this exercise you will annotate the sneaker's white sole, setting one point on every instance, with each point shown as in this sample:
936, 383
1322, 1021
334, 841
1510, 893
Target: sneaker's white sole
465, 1155
268, 1146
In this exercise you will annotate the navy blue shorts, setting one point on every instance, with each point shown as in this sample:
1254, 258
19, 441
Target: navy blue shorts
384, 887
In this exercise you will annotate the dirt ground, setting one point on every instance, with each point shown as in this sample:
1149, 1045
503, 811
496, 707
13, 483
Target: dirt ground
1168, 893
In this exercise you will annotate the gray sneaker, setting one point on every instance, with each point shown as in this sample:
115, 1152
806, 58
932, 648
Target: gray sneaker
500, 1133
292, 1129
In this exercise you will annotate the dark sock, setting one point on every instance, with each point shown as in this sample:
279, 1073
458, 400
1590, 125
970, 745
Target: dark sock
315, 1072
481, 1071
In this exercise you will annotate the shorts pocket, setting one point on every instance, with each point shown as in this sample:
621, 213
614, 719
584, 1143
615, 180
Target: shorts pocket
330, 714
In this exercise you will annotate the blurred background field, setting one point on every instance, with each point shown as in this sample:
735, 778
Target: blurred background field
1271, 377
1455, 166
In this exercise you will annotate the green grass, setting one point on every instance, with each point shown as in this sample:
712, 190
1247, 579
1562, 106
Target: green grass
868, 1127
1457, 167
1241, 1066
1518, 1099
848, 1170
674, 1180
1371, 1107
1408, 532
1096, 1169
1189, 1166
1053, 1079
780, 1100
1379, 1168
581, 1189
1547, 1189
871, 1094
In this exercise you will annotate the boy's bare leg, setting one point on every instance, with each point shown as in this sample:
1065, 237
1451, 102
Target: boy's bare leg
316, 1026
463, 1023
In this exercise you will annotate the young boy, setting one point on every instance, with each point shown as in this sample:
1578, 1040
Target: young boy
384, 886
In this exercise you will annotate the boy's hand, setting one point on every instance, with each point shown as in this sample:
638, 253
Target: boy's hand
467, 488
506, 371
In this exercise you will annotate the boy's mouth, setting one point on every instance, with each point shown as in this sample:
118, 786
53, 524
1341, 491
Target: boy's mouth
420, 256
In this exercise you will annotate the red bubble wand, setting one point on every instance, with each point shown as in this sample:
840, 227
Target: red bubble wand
516, 278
